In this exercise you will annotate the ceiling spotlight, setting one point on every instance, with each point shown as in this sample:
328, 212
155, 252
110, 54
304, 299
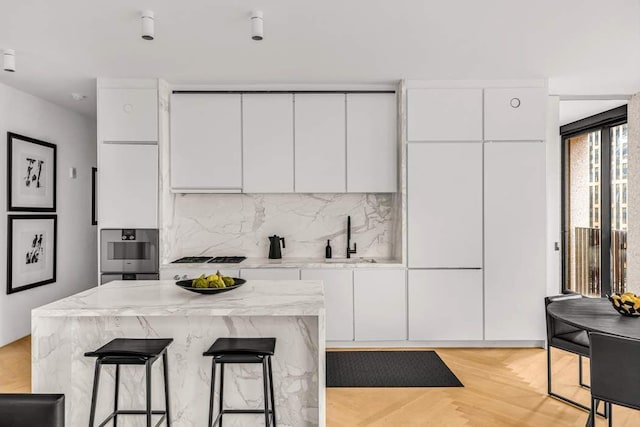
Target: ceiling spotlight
9, 60
148, 30
257, 25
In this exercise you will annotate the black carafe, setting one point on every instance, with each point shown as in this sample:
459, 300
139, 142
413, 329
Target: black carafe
327, 250
274, 247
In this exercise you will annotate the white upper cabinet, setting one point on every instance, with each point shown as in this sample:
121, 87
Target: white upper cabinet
129, 115
128, 185
338, 296
371, 143
380, 305
515, 240
515, 114
445, 305
320, 143
444, 114
206, 143
267, 147
444, 205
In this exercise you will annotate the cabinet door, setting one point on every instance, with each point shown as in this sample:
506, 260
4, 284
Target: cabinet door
267, 143
380, 305
444, 114
320, 147
515, 233
128, 114
444, 193
270, 273
515, 114
445, 305
128, 186
371, 143
206, 143
338, 300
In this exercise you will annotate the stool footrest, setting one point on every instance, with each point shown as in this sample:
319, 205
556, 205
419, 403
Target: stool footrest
134, 412
242, 411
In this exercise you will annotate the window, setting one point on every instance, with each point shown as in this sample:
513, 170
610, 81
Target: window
594, 194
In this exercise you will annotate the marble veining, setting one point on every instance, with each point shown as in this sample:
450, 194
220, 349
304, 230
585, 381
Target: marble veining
227, 224
292, 312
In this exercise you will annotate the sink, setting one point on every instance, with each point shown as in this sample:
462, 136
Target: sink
350, 260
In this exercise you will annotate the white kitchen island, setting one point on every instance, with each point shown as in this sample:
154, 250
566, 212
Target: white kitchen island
290, 311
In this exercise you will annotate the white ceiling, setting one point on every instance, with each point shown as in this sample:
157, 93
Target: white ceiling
582, 46
573, 110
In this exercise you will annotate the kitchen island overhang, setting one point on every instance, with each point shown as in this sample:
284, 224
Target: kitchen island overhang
291, 311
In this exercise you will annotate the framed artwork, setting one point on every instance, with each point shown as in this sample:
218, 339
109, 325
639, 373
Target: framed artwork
94, 216
31, 174
31, 251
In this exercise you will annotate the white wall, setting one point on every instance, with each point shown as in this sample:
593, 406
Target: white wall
633, 237
554, 220
75, 137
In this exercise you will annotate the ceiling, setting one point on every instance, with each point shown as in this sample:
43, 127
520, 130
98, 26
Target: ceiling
582, 46
573, 110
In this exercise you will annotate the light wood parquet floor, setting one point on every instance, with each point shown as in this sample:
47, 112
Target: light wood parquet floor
503, 387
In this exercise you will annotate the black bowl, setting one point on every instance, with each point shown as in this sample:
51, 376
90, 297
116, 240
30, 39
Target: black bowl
625, 308
186, 284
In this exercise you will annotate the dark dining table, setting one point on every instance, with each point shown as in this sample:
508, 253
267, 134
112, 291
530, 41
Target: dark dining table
595, 315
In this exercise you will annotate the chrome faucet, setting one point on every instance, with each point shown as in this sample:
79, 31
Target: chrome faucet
349, 250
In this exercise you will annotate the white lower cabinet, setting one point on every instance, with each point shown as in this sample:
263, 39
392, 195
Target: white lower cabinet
445, 305
380, 305
186, 273
338, 299
270, 273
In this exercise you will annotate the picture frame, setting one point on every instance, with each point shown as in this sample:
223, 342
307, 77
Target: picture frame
31, 174
94, 189
32, 242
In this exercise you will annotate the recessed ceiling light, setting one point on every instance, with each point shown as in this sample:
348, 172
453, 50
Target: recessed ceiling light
148, 27
257, 25
78, 96
9, 60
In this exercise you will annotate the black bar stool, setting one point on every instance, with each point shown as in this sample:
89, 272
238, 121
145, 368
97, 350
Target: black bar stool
131, 351
242, 350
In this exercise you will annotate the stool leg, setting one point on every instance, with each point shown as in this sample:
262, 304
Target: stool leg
273, 402
94, 394
148, 375
266, 391
165, 368
212, 392
221, 397
115, 402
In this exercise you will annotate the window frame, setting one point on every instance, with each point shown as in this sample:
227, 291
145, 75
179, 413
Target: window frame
602, 122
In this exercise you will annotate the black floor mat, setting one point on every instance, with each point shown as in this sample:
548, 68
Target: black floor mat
388, 369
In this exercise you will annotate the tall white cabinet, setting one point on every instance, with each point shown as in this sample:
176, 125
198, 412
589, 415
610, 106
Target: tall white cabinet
445, 205
515, 230
476, 211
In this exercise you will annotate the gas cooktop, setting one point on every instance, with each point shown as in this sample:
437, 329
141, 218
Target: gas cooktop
205, 259
227, 259
192, 260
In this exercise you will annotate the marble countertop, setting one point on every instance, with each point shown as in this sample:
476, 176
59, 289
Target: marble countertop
355, 262
164, 298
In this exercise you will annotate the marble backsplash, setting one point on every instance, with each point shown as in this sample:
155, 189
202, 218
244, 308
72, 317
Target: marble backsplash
239, 224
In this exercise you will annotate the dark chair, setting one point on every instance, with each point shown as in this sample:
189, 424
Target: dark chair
242, 350
615, 377
568, 338
42, 410
132, 351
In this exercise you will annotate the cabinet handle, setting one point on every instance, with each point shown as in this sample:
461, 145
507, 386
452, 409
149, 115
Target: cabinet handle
515, 102
176, 277
184, 277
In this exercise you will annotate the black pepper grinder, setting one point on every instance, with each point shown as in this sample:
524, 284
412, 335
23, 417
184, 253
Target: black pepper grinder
327, 250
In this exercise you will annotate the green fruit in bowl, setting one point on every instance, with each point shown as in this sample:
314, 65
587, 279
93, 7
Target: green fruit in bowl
228, 281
